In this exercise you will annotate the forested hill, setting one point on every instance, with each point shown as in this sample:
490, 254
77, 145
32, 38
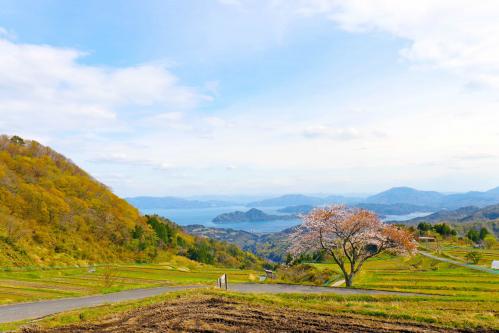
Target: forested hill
54, 213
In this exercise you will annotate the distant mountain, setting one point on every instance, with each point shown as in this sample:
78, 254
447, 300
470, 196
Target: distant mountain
479, 199
461, 215
300, 199
340, 199
398, 200
447, 215
236, 199
287, 200
494, 191
300, 209
394, 209
407, 195
380, 209
146, 202
252, 215
486, 213
434, 199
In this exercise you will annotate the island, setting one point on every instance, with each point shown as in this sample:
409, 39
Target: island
252, 215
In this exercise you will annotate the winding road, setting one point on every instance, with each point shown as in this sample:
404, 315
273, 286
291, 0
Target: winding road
454, 262
23, 311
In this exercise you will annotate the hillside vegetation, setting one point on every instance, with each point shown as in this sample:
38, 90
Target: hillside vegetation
54, 213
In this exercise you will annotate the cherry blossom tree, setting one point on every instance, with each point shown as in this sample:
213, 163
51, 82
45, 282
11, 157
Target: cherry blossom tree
350, 236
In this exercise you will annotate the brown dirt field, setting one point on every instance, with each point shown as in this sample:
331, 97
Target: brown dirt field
218, 314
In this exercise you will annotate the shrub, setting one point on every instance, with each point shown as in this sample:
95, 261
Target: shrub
489, 241
473, 257
473, 235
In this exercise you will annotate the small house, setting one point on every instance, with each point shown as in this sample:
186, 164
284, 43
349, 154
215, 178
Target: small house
495, 264
269, 274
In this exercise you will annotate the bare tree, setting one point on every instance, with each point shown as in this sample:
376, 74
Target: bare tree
109, 275
350, 236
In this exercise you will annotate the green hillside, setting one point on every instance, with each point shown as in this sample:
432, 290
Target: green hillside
53, 213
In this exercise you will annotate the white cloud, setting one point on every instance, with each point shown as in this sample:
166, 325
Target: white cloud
4, 33
355, 138
322, 131
169, 116
459, 36
47, 88
217, 122
212, 87
131, 160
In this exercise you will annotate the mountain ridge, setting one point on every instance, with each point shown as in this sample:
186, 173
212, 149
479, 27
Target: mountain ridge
408, 195
402, 195
463, 214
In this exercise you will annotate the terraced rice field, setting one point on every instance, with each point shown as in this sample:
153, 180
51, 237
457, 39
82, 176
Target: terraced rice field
458, 249
424, 275
461, 297
27, 284
459, 253
458, 298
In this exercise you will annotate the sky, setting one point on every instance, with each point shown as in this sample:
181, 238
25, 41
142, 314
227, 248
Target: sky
196, 97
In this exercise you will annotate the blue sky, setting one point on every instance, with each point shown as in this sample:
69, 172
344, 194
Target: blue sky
257, 97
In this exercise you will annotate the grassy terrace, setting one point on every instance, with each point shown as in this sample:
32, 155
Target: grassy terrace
462, 297
424, 275
30, 284
457, 250
459, 253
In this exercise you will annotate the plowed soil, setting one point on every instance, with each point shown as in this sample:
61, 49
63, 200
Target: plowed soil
219, 314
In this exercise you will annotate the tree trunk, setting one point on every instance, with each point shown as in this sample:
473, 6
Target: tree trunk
349, 280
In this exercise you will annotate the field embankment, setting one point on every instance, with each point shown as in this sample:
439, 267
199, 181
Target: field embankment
210, 311
32, 284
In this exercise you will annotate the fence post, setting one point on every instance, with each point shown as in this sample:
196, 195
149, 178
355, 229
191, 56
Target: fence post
226, 282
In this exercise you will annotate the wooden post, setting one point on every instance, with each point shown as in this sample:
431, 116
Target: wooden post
223, 282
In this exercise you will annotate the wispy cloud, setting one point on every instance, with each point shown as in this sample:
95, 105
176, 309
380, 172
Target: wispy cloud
48, 88
453, 35
322, 131
126, 159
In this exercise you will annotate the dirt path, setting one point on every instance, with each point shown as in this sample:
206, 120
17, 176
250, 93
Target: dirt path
22, 311
219, 314
338, 283
454, 262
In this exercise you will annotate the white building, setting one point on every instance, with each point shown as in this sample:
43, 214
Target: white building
495, 264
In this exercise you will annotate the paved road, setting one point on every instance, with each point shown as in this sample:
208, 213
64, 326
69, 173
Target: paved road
458, 263
293, 288
22, 311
